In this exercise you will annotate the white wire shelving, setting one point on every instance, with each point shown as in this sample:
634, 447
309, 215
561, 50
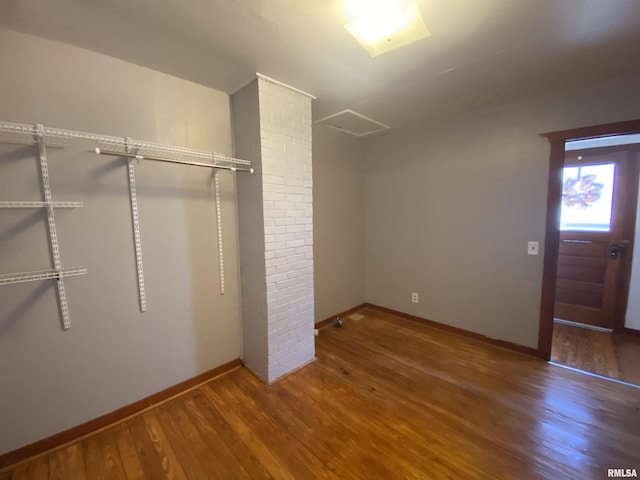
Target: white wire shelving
40, 204
58, 273
52, 274
115, 146
135, 222
138, 147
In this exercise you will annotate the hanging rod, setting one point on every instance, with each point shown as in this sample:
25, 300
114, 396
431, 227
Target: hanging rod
137, 145
100, 151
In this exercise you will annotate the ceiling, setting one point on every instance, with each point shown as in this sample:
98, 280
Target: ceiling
480, 52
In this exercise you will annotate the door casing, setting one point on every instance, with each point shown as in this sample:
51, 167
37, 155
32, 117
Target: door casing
552, 235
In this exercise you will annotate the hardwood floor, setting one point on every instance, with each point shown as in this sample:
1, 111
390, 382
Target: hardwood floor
613, 355
387, 399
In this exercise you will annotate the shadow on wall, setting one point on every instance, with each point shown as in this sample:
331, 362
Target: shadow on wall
24, 223
155, 185
18, 153
17, 314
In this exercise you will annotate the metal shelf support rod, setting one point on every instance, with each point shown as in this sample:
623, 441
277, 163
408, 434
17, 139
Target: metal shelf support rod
53, 235
100, 151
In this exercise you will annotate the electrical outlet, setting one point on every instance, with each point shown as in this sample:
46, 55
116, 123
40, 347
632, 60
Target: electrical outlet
415, 297
532, 248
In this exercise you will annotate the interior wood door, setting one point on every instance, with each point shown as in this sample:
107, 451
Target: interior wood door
597, 220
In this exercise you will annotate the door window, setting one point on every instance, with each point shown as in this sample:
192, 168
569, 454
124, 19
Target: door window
587, 197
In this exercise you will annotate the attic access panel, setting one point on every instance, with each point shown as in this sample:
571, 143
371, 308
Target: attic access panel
354, 123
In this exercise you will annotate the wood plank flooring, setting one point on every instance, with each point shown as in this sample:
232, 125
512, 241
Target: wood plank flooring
386, 399
612, 355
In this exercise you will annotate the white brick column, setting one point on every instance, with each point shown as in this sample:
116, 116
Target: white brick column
272, 127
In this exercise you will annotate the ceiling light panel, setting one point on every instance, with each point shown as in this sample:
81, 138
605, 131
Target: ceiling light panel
384, 25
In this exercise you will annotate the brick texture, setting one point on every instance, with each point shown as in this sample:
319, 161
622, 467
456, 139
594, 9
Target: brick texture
279, 236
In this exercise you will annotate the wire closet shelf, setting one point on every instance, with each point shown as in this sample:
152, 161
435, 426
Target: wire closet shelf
114, 146
126, 147
53, 274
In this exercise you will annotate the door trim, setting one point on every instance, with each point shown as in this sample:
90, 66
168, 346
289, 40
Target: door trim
552, 235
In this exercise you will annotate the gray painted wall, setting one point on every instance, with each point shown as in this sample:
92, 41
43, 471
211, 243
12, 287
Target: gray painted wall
113, 355
338, 221
451, 204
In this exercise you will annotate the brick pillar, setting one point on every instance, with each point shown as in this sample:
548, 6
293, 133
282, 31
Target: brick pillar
272, 128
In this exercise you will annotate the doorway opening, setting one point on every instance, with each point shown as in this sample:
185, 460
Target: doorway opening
591, 283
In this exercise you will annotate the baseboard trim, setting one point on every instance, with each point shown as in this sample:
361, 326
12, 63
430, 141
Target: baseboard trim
631, 331
75, 433
329, 321
461, 332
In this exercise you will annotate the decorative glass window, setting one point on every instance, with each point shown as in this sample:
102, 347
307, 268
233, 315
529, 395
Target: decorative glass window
587, 197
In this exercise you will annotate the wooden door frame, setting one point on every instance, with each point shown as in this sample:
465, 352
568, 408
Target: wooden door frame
552, 235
